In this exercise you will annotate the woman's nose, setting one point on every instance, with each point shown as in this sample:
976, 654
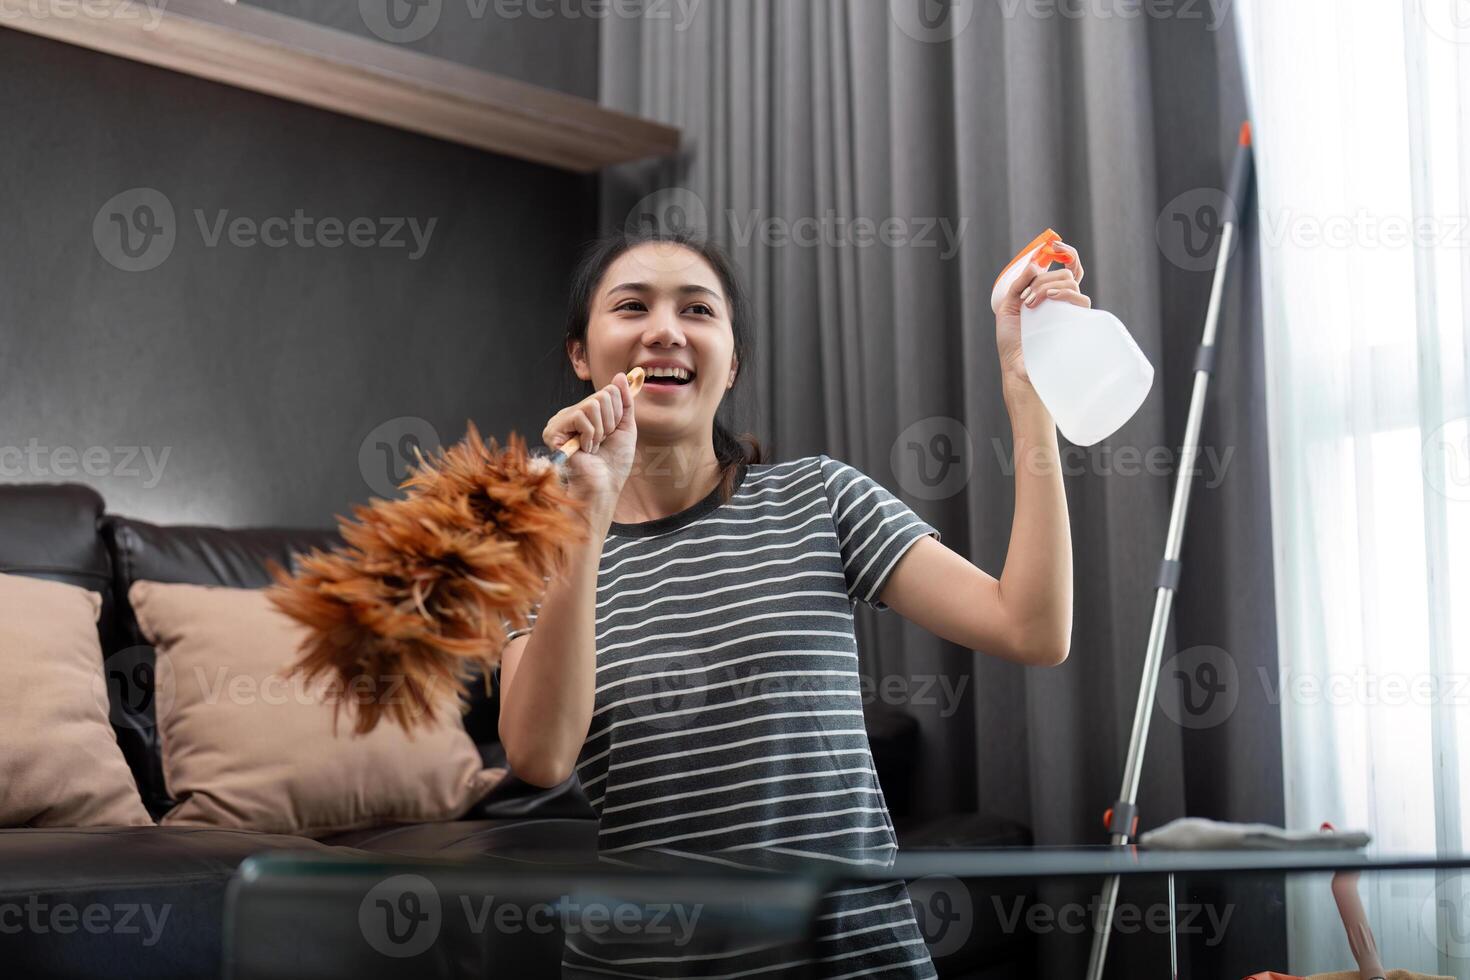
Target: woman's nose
664, 328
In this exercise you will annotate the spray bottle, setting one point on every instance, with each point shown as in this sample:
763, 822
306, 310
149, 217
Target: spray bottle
1083, 363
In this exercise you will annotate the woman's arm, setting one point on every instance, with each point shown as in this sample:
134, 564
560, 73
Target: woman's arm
1025, 615
548, 678
551, 671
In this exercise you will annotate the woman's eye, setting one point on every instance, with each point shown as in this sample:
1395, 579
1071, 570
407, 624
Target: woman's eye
627, 304
705, 310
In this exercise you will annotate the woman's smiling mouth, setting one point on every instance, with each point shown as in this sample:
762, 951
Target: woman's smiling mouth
667, 376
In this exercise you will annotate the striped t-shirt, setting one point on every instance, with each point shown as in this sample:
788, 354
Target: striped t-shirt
728, 721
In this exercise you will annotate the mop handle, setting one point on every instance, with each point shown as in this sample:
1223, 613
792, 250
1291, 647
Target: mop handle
635, 385
1121, 818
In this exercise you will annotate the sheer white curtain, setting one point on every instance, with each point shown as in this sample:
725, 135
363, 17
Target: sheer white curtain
1362, 119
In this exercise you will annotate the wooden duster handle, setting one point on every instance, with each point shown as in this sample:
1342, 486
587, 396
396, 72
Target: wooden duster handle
635, 385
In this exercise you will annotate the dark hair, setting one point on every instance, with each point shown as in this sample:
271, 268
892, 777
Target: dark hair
731, 451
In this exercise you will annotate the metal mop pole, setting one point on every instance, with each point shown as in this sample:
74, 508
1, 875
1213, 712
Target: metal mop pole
1122, 818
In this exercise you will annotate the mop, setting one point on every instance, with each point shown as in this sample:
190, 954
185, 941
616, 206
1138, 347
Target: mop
1121, 819
426, 588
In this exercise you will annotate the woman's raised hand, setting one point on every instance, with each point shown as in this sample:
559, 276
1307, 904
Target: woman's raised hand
607, 432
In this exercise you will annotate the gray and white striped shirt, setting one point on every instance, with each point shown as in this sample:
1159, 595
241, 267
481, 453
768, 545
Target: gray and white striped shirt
729, 717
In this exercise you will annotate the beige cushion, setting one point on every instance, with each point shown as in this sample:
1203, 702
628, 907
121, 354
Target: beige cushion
59, 761
245, 748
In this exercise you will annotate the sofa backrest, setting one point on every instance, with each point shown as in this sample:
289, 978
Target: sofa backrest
61, 532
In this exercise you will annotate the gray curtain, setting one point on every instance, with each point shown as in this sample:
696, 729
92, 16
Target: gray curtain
969, 127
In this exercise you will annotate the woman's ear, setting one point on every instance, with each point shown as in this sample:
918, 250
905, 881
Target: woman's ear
577, 351
734, 369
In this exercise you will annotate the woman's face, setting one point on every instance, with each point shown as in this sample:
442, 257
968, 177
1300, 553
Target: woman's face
661, 304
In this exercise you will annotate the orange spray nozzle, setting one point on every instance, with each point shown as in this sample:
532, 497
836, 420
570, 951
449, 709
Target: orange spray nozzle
1042, 250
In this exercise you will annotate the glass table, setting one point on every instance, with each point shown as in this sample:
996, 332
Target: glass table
985, 913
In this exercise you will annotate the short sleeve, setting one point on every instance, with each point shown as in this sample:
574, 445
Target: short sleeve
874, 528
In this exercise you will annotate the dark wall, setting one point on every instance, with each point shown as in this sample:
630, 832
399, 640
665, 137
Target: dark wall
545, 42
240, 382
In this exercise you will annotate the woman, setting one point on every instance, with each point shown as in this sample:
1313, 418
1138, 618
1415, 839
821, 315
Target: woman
696, 664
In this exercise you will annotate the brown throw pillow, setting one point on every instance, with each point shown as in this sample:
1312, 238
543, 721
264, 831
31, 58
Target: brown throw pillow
243, 747
59, 761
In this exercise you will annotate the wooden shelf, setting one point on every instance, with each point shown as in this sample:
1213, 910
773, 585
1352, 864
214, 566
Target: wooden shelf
293, 59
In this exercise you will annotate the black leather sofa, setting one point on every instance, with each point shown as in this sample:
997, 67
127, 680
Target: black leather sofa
62, 532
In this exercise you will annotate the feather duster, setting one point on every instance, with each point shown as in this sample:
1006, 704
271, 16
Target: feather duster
427, 587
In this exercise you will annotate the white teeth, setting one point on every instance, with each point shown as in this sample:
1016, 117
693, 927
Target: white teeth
667, 372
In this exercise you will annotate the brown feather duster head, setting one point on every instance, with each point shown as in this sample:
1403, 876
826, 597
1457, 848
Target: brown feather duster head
428, 586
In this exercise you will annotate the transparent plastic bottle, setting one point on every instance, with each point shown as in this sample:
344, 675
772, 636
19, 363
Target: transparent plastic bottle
1084, 364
